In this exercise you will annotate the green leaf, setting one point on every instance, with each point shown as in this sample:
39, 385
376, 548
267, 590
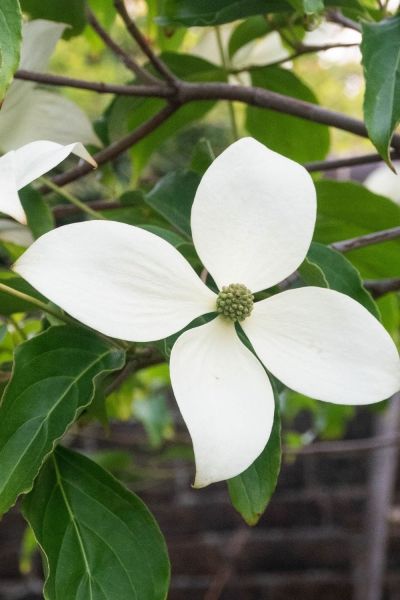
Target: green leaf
10, 304
313, 6
326, 420
170, 236
10, 42
134, 210
214, 12
347, 210
39, 216
71, 12
247, 31
125, 114
172, 197
202, 156
267, 125
389, 307
52, 382
341, 275
203, 13
312, 274
380, 49
152, 411
308, 7
251, 491
99, 540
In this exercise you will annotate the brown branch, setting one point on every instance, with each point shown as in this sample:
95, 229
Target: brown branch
350, 161
263, 98
141, 41
300, 51
190, 92
111, 152
65, 210
131, 64
335, 16
361, 241
380, 287
156, 91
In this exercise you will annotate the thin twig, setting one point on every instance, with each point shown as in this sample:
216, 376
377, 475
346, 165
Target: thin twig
300, 51
350, 161
18, 328
141, 41
361, 241
119, 379
35, 302
65, 210
70, 198
134, 364
254, 96
154, 91
131, 64
380, 287
262, 98
190, 92
117, 148
337, 17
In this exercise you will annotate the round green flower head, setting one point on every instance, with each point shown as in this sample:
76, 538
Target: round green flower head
235, 302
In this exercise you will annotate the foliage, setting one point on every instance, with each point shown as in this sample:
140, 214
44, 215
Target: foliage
251, 491
10, 41
381, 58
179, 81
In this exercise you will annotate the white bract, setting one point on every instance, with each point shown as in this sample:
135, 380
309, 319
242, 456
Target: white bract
258, 52
252, 222
384, 182
30, 112
20, 167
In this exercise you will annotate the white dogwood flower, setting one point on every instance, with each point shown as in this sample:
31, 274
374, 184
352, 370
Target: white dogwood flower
30, 112
252, 222
20, 167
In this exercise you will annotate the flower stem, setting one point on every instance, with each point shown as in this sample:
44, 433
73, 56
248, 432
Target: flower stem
22, 296
226, 67
72, 199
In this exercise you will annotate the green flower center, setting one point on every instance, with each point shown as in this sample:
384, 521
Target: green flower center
235, 302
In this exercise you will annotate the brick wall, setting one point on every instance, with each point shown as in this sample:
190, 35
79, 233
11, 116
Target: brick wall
304, 548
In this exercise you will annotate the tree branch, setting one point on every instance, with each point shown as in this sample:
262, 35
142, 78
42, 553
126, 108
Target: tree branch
131, 64
154, 91
300, 51
141, 41
335, 16
190, 92
111, 152
380, 287
65, 210
262, 98
350, 161
361, 241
